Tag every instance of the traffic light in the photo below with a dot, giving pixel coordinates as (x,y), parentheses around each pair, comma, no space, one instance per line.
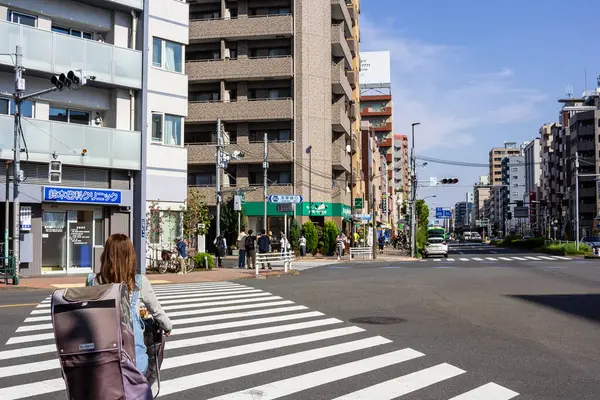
(71,80)
(449,181)
(55,171)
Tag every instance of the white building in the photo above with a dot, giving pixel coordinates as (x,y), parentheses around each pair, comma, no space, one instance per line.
(119,138)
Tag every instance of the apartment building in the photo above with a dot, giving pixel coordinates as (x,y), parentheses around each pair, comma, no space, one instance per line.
(463,212)
(532,152)
(285,68)
(119,138)
(401,164)
(513,190)
(480,195)
(547,134)
(495,160)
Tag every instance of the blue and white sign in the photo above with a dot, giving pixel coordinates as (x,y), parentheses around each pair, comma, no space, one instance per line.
(285,198)
(447,213)
(439,212)
(364,217)
(81,195)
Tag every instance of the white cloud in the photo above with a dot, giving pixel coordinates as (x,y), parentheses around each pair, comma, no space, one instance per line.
(435,84)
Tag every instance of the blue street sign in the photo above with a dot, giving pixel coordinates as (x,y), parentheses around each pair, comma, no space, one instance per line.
(439,212)
(447,213)
(285,198)
(60,194)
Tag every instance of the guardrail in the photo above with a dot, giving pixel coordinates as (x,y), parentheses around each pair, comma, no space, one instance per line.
(361,251)
(287,259)
(7,270)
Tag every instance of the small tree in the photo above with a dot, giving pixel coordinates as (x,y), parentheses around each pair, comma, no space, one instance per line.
(330,232)
(229,221)
(196,218)
(295,234)
(312,239)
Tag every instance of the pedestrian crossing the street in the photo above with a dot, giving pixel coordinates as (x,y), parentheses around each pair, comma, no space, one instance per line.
(232,341)
(496,258)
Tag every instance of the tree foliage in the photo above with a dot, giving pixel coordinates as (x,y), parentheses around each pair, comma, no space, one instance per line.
(295,234)
(312,238)
(229,221)
(422,213)
(195,214)
(330,232)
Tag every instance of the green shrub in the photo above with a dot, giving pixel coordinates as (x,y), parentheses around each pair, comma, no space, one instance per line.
(295,234)
(312,238)
(200,263)
(330,232)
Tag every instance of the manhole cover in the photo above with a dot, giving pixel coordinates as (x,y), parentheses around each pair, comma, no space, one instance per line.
(377,320)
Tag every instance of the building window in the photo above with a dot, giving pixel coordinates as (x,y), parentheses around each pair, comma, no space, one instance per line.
(7,107)
(23,19)
(165,227)
(166,129)
(167,55)
(70,116)
(71,32)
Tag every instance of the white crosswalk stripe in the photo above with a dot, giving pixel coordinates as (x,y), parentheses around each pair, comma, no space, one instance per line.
(505,258)
(246,332)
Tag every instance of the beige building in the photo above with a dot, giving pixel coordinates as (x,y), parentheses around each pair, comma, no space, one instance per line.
(480,195)
(495,160)
(288,69)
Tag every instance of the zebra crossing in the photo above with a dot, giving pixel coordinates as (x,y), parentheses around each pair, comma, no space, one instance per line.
(232,341)
(496,258)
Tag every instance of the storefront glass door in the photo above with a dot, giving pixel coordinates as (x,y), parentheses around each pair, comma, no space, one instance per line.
(54,239)
(81,241)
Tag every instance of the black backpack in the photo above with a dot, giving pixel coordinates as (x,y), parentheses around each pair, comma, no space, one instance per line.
(249,243)
(263,244)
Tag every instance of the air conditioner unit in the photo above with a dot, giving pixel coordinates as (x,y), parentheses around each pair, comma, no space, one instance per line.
(227,96)
(227,14)
(227,54)
(55,171)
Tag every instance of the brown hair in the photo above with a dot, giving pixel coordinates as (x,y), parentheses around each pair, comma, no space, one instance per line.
(118,261)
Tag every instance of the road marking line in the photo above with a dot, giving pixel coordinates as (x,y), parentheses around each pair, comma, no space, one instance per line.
(519,258)
(202,291)
(553,267)
(299,383)
(478,259)
(504,258)
(489,391)
(235,296)
(395,388)
(562,258)
(491,259)
(210,377)
(547,258)
(18,305)
(533,258)
(494,252)
(437,259)
(199,285)
(199,295)
(449,259)
(464,259)
(219,303)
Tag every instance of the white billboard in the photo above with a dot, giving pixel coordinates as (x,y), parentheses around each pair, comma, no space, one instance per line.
(375,69)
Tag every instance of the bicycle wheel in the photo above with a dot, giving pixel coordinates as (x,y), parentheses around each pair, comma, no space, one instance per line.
(189,264)
(162,266)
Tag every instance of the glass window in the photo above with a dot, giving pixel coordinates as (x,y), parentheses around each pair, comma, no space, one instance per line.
(79,117)
(26,109)
(173,56)
(170,227)
(59,29)
(157,128)
(58,114)
(23,19)
(173,130)
(157,52)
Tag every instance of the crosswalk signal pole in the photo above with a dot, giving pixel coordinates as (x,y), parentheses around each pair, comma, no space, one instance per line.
(265,196)
(218,176)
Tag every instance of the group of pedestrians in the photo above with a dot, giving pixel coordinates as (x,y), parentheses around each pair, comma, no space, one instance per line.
(248,244)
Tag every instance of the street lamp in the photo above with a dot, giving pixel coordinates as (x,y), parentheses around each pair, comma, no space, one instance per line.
(413,221)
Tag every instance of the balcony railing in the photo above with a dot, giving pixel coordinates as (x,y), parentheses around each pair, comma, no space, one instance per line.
(55,53)
(340,159)
(241,68)
(106,147)
(243,26)
(339,80)
(339,44)
(340,12)
(371,112)
(117,4)
(251,110)
(339,117)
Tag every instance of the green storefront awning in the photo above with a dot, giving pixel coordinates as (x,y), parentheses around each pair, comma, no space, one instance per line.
(319,209)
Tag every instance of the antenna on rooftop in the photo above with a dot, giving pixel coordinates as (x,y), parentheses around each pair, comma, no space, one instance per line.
(569,89)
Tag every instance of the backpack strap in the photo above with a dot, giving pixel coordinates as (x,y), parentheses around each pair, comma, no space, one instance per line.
(89,281)
(136,292)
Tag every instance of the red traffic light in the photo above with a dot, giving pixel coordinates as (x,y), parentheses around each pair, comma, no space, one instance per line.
(449,181)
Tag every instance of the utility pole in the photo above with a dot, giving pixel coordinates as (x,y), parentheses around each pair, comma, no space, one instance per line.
(219,161)
(6,218)
(352,191)
(577,201)
(373,217)
(19,89)
(413,219)
(265,196)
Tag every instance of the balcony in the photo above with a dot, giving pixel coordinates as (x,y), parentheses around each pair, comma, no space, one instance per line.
(339,82)
(340,12)
(55,53)
(373,112)
(340,195)
(352,78)
(106,147)
(241,111)
(353,45)
(387,142)
(340,159)
(123,5)
(353,13)
(240,69)
(384,127)
(339,118)
(339,44)
(279,152)
(243,27)
(587,145)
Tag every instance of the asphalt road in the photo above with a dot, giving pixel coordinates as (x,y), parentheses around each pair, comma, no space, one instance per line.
(464,330)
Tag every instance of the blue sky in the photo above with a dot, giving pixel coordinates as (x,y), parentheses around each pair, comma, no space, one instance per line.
(477,73)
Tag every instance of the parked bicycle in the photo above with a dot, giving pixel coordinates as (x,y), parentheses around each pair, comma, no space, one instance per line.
(164,261)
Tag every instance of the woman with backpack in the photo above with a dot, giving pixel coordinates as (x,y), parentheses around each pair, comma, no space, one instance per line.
(220,244)
(118,264)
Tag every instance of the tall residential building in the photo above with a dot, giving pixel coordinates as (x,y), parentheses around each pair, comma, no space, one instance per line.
(285,68)
(533,171)
(480,195)
(401,172)
(548,133)
(463,212)
(495,160)
(119,138)
(377,110)
(513,188)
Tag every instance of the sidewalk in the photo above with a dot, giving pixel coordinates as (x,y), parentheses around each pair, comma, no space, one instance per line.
(228,273)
